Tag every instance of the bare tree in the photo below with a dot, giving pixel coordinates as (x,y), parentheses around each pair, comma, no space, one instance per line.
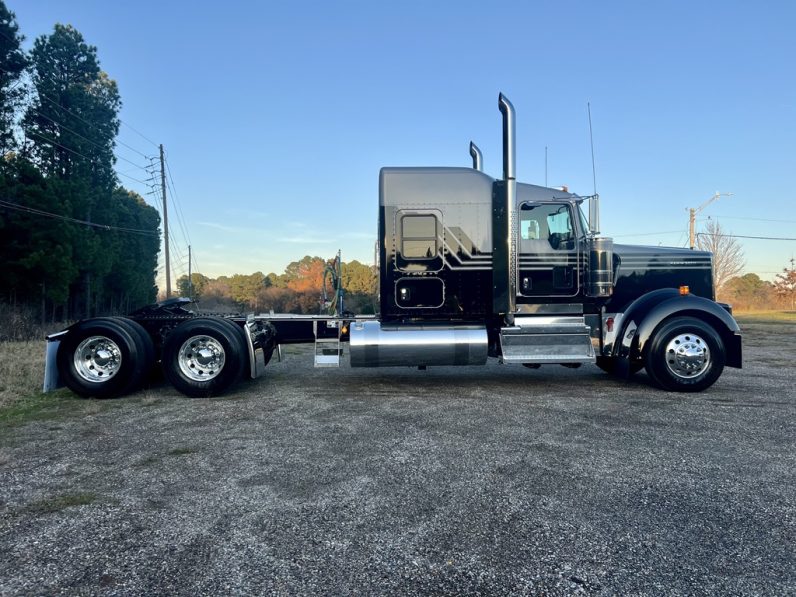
(728,259)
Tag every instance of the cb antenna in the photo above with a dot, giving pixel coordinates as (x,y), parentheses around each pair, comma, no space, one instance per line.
(594,203)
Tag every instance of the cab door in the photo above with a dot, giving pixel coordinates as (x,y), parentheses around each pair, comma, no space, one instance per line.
(548,252)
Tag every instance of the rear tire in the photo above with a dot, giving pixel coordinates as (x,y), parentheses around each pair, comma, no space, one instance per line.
(685,355)
(100,358)
(146,347)
(244,345)
(203,357)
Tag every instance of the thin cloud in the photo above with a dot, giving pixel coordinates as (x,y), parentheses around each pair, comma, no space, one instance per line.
(306,240)
(221,227)
(247,213)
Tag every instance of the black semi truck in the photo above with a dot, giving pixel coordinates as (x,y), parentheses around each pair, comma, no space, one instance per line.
(470,268)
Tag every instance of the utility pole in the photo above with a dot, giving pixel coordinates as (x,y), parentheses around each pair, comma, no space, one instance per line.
(693,211)
(165,221)
(691,224)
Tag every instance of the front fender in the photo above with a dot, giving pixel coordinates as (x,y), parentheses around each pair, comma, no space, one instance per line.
(648,312)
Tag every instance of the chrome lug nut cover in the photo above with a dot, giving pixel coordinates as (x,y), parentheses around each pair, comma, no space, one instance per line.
(97,359)
(687,355)
(201,358)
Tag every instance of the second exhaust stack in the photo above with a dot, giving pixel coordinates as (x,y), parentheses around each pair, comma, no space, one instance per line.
(478,158)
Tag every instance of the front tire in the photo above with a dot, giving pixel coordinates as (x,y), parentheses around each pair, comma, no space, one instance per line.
(685,355)
(203,357)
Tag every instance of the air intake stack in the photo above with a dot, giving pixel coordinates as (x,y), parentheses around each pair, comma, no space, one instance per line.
(504,224)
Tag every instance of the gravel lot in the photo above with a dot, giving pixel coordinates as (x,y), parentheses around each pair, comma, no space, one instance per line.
(468,481)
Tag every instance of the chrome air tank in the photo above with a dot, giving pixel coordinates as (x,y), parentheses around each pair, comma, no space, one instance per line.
(601,266)
(374,345)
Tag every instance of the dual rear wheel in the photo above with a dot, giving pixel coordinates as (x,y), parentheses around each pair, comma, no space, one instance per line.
(205,356)
(107,357)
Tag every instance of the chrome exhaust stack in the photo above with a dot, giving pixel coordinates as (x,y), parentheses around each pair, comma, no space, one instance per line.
(510,181)
(478,158)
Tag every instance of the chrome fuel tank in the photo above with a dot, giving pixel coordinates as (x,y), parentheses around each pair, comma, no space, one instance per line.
(373,345)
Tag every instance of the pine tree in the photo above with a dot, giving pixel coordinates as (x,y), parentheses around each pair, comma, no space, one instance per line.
(12,65)
(71,126)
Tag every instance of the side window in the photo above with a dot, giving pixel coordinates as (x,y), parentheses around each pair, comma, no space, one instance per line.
(419,237)
(548,223)
(533,222)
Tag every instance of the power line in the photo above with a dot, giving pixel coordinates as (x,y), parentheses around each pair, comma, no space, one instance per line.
(177,258)
(120,142)
(140,134)
(85,157)
(756,219)
(177,251)
(648,233)
(38,212)
(87,123)
(753,237)
(176,200)
(178,210)
(180,216)
(62,125)
(58,105)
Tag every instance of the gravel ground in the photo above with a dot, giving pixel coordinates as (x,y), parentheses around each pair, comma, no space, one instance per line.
(469,481)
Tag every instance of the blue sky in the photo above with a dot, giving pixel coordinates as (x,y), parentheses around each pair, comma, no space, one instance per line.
(276,116)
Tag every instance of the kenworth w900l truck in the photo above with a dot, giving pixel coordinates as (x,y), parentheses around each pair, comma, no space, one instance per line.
(470,268)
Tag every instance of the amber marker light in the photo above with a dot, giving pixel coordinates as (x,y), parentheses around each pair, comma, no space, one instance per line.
(684,290)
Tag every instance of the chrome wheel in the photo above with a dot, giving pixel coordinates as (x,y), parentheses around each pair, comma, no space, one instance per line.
(687,355)
(201,358)
(97,359)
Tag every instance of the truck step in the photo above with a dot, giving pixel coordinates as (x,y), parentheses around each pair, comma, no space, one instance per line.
(327,346)
(327,352)
(547,340)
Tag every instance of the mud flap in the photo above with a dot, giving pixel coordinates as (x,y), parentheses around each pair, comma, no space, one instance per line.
(52,380)
(622,368)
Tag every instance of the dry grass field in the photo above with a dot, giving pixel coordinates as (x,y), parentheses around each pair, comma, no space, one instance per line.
(21,370)
(765,317)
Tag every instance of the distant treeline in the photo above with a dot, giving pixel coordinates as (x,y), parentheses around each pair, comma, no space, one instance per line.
(297,290)
(73,241)
(750,293)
